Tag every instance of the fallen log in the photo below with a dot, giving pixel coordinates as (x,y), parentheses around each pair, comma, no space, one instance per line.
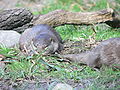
(20,19)
(61,17)
(14,18)
(115,23)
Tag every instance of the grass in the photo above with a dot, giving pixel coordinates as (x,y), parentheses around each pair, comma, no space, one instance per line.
(49,67)
(102,32)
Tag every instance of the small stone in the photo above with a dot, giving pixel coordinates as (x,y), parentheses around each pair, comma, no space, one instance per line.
(61,86)
(9,38)
(1,57)
(2,65)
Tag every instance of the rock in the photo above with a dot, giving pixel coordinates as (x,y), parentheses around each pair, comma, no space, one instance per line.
(40,39)
(1,57)
(2,65)
(61,86)
(9,38)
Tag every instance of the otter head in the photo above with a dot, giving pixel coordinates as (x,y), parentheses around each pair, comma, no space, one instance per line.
(45,44)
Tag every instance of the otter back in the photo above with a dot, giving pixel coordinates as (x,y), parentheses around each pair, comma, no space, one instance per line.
(39,35)
(106,53)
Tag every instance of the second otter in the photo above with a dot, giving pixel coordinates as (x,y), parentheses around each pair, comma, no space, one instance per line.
(106,53)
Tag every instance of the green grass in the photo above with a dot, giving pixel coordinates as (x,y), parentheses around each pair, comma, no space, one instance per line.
(74,32)
(76,6)
(50,67)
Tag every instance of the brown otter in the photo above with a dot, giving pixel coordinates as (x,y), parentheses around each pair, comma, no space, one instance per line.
(40,38)
(107,53)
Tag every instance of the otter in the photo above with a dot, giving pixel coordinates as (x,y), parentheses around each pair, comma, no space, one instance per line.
(105,53)
(40,39)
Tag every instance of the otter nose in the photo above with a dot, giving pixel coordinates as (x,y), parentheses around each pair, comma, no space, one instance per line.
(42,48)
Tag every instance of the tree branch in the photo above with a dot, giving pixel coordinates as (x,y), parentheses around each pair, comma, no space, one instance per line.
(61,17)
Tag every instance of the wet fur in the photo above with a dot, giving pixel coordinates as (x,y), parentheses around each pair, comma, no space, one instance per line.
(37,38)
(106,53)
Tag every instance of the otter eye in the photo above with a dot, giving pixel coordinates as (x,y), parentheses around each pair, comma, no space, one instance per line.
(51,39)
(23,50)
(45,45)
(36,44)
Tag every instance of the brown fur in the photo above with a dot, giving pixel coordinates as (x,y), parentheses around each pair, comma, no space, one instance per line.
(40,39)
(107,53)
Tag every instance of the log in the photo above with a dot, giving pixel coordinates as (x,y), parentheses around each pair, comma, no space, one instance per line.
(21,19)
(14,18)
(115,23)
(61,17)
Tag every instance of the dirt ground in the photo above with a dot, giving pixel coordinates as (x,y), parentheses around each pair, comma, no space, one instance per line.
(41,85)
(33,6)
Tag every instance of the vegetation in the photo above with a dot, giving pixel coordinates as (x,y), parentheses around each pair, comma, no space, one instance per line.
(39,67)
